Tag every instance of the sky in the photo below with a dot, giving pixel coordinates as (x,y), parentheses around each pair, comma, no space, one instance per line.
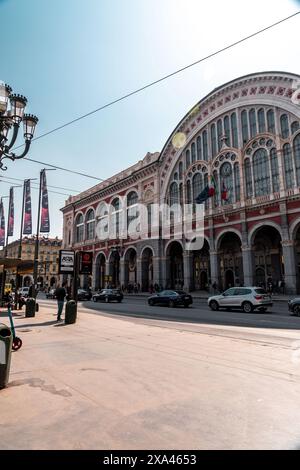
(69,57)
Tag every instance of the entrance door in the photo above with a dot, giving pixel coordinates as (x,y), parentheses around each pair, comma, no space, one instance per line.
(229,279)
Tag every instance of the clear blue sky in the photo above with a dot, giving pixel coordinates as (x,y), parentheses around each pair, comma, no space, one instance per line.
(71,56)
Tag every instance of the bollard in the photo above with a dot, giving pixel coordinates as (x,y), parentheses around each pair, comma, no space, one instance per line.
(70,312)
(30,308)
(5,354)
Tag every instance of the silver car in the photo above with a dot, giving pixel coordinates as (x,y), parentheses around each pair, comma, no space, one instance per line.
(245,298)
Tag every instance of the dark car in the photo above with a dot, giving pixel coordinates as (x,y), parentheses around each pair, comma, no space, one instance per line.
(83,294)
(108,295)
(172,298)
(294,306)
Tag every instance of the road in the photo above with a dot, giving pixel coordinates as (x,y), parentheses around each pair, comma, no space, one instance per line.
(277,317)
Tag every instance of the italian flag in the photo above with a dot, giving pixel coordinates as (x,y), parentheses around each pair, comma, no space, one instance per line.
(207,192)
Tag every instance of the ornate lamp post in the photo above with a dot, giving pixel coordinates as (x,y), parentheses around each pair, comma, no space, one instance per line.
(12,109)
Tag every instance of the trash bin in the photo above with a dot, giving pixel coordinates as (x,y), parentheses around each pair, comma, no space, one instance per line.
(5,354)
(30,308)
(71,312)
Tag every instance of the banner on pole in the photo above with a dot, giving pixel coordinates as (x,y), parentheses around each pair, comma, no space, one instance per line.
(45,221)
(27,226)
(2,224)
(11,213)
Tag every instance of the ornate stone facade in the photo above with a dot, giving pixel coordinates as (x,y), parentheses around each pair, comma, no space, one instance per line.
(245,135)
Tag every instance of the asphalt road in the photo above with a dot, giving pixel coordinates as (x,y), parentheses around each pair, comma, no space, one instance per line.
(277,317)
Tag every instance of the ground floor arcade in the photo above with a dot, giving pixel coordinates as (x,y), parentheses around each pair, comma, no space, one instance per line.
(263,257)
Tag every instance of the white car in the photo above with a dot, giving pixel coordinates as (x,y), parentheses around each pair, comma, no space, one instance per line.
(24,291)
(245,298)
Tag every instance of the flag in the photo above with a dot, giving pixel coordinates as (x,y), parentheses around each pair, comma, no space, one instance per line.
(11,213)
(27,226)
(224,193)
(45,222)
(207,192)
(2,224)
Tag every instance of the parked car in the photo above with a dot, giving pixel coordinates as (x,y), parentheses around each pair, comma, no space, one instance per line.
(245,298)
(83,294)
(24,291)
(108,295)
(50,294)
(172,298)
(294,306)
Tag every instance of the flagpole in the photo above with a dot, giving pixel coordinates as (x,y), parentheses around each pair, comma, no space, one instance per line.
(37,243)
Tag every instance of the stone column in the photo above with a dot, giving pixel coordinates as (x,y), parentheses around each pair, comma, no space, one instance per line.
(188,270)
(248,267)
(94,276)
(122,272)
(139,271)
(290,278)
(155,264)
(214,267)
(163,271)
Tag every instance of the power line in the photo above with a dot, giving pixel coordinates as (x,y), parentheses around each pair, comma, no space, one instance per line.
(139,90)
(49,186)
(34,187)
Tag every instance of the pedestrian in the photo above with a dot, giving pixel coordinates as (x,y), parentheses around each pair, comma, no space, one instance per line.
(60,295)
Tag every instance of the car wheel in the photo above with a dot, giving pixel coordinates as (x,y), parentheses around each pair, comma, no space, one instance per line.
(247,307)
(296,310)
(171,304)
(107,300)
(214,305)
(151,303)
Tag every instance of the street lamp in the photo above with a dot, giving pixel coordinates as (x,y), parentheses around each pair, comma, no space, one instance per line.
(12,113)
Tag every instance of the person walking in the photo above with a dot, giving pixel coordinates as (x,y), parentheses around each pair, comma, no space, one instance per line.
(60,295)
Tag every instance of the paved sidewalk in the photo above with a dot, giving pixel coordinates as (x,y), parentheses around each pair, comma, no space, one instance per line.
(108,383)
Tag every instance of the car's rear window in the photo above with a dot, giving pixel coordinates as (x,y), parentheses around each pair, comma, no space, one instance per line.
(260,291)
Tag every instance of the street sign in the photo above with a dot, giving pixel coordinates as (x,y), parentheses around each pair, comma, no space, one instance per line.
(86,262)
(66,262)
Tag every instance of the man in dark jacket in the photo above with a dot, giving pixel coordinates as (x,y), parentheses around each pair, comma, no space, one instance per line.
(60,295)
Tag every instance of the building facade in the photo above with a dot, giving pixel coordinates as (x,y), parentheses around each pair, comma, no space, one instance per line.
(244,136)
(48,260)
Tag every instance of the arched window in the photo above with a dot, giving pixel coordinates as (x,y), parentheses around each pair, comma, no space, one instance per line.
(237,182)
(284,126)
(288,166)
(188,192)
(205,185)
(102,226)
(296,147)
(199,149)
(226,182)
(79,228)
(180,170)
(193,148)
(252,121)
(295,127)
(275,171)
(181,194)
(227,130)
(132,207)
(197,185)
(187,158)
(175,176)
(205,148)
(174,194)
(213,140)
(90,225)
(234,130)
(217,189)
(115,218)
(271,121)
(220,133)
(248,179)
(245,132)
(261,121)
(261,173)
